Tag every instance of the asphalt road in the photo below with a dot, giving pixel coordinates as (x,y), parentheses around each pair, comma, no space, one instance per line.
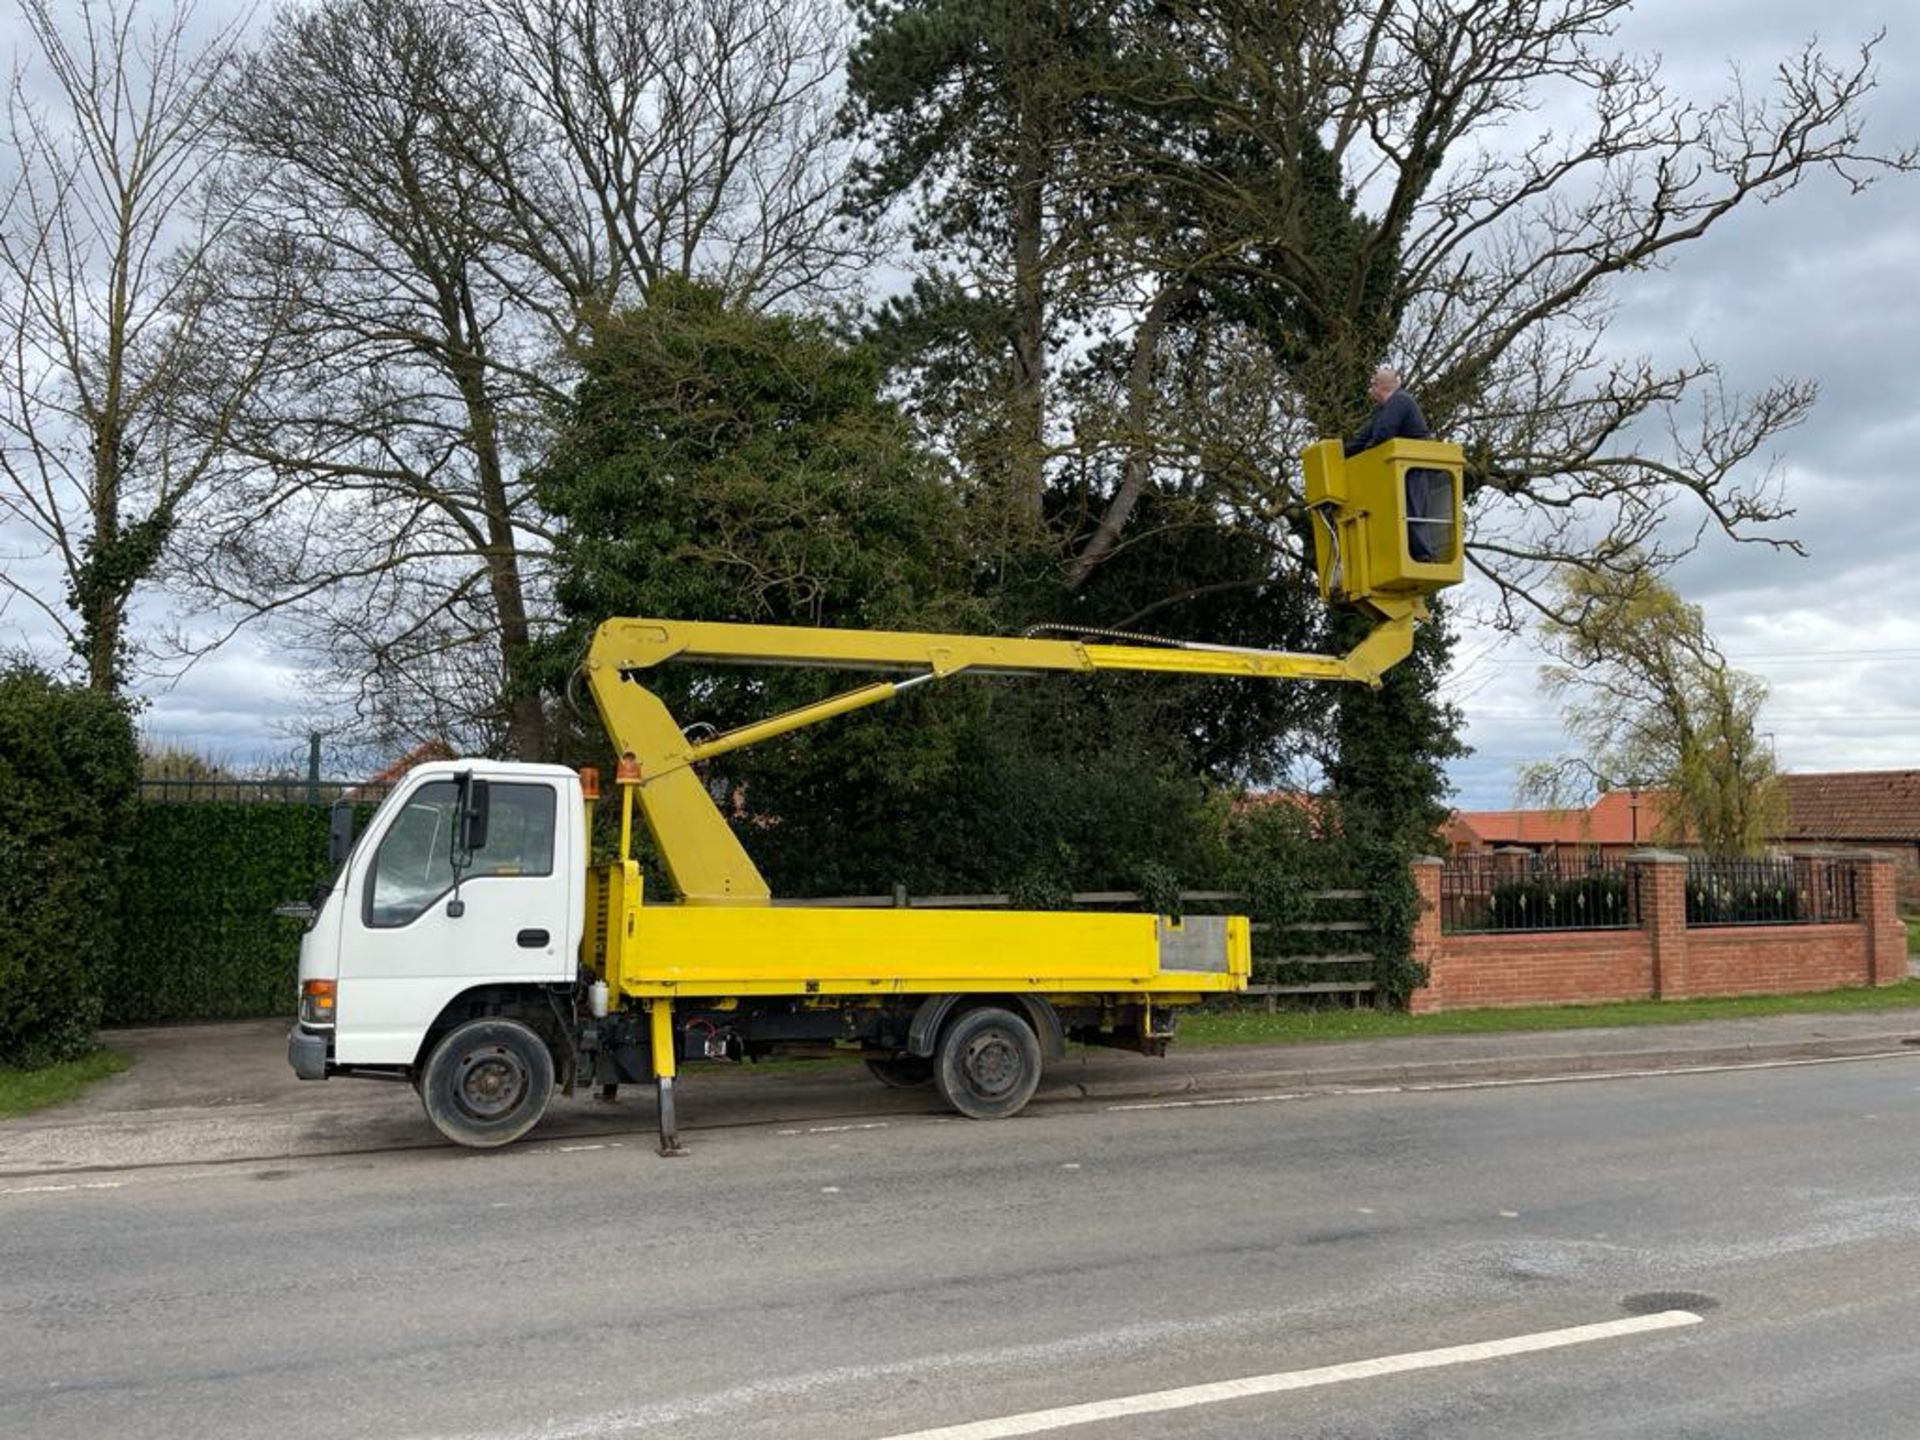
(800,1280)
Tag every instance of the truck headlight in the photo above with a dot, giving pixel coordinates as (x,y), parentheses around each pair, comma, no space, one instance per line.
(316,1002)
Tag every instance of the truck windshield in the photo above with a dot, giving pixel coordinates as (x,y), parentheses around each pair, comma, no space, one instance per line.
(414,866)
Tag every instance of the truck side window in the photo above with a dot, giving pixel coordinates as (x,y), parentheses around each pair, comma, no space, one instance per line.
(414,865)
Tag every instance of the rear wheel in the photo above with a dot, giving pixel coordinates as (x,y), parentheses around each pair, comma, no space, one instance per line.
(901,1072)
(487,1082)
(988,1063)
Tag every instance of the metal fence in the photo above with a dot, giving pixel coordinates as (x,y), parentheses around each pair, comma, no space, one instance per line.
(1490,894)
(1772,892)
(1503,893)
(287,790)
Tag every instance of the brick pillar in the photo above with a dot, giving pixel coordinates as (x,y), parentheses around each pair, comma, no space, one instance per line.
(1426,935)
(1514,861)
(1876,895)
(1660,878)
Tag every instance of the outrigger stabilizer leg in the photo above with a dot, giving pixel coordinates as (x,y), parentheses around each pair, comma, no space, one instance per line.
(663,1073)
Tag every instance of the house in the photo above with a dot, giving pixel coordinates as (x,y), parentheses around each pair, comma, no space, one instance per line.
(1857,810)
(1853,810)
(1618,822)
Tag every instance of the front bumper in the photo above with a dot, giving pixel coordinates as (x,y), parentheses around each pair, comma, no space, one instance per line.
(307,1052)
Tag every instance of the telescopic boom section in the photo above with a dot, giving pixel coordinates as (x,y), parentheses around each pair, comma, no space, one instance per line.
(703,857)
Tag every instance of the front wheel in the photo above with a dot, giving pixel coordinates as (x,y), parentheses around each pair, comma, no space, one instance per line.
(988,1064)
(487,1082)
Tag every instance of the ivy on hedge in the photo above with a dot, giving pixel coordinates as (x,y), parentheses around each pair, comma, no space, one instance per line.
(1285,859)
(68,766)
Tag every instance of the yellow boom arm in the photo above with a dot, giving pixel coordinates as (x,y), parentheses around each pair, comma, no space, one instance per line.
(704,858)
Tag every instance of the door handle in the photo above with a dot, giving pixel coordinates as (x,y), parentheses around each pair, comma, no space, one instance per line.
(532,939)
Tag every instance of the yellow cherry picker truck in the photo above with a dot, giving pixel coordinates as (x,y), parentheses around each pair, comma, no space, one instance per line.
(467,944)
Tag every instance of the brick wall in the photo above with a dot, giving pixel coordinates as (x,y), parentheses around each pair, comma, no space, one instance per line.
(1775,959)
(1663,958)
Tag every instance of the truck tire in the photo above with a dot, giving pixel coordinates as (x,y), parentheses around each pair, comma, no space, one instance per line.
(901,1072)
(487,1082)
(987,1064)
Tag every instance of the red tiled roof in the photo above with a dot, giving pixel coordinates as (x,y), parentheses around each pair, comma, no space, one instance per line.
(1300,800)
(1845,807)
(1853,805)
(1620,817)
(419,755)
(1309,806)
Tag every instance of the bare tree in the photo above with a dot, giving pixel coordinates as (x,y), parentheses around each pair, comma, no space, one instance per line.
(1463,189)
(696,139)
(455,204)
(106,307)
(1380,187)
(380,514)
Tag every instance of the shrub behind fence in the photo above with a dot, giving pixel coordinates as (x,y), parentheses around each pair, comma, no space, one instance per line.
(1483,893)
(1770,892)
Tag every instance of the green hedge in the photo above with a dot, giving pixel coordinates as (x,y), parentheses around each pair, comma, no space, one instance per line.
(68,766)
(202,942)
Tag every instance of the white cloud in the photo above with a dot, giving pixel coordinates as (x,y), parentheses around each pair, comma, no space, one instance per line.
(1817,284)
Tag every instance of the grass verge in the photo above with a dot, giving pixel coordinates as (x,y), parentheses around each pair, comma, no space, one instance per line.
(1247,1025)
(24,1090)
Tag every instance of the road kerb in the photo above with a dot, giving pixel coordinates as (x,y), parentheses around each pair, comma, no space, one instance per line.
(1324,1078)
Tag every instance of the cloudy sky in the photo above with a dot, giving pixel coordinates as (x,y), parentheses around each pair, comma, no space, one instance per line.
(1820,284)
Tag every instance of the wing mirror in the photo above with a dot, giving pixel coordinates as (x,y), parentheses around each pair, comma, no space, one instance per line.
(473,803)
(339,833)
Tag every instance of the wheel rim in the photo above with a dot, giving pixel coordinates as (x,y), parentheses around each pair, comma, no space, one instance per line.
(992,1066)
(490,1083)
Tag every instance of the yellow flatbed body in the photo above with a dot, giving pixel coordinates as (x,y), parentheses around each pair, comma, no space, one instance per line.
(647,951)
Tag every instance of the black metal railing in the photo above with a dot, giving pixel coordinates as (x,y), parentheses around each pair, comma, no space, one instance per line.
(291,790)
(1499,893)
(1809,891)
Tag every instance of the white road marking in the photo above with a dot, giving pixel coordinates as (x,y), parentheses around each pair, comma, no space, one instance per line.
(1223,1100)
(1155,1402)
(62,1189)
(838,1129)
(167,1176)
(1566,1078)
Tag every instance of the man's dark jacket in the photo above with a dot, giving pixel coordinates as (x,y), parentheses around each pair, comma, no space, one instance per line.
(1397,417)
(1429,497)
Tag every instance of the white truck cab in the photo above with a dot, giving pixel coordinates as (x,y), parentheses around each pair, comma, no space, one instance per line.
(414,922)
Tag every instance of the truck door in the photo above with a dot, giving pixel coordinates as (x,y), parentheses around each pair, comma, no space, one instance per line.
(403,956)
